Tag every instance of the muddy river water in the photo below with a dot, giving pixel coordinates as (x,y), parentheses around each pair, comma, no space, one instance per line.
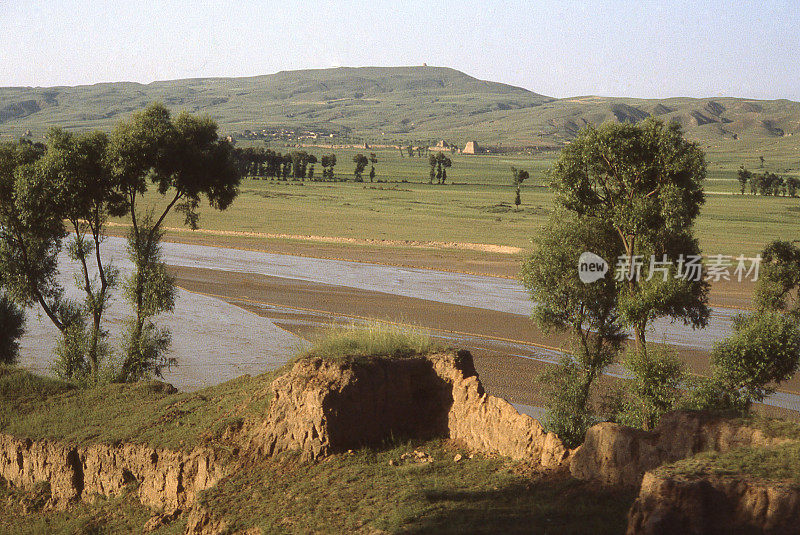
(214,340)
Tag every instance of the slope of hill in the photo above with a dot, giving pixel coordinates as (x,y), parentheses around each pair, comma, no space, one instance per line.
(389,104)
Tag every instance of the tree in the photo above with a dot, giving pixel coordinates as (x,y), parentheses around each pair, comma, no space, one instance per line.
(743,175)
(792,186)
(588,312)
(778,287)
(31,231)
(183,159)
(12,322)
(373,160)
(763,352)
(328,162)
(646,183)
(88,194)
(518,176)
(361,162)
(439,164)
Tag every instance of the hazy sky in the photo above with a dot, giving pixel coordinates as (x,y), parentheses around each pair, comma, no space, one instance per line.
(558,48)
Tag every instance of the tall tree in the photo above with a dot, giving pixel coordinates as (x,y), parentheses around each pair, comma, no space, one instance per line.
(518,176)
(778,287)
(361,162)
(743,176)
(183,159)
(31,232)
(439,165)
(373,160)
(88,194)
(588,312)
(646,182)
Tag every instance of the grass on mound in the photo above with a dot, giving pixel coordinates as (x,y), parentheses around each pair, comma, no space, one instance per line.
(373,339)
(144,412)
(775,464)
(360,492)
(772,427)
(24,513)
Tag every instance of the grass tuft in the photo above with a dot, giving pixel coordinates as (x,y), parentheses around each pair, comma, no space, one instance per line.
(374,339)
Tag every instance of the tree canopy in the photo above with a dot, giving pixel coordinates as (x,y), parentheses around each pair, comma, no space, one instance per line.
(646,183)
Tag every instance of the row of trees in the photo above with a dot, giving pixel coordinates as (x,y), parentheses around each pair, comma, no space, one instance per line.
(260,162)
(60,197)
(616,197)
(767,183)
(299,165)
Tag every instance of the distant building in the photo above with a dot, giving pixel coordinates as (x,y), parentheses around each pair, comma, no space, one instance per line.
(471,148)
(441,146)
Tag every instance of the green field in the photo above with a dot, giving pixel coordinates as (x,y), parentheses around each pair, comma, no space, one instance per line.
(477,206)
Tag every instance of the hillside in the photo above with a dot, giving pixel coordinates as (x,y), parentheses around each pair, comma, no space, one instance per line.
(391,104)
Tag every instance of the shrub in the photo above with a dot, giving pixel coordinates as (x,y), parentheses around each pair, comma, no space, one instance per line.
(12,321)
(71,350)
(763,351)
(655,388)
(566,389)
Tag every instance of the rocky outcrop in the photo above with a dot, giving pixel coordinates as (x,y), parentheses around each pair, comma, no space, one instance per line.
(668,505)
(167,480)
(323,406)
(617,455)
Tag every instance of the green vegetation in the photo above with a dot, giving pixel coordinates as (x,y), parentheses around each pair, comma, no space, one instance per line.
(475,208)
(779,285)
(615,198)
(83,180)
(585,311)
(654,390)
(773,464)
(374,339)
(12,321)
(360,492)
(150,413)
(518,176)
(763,351)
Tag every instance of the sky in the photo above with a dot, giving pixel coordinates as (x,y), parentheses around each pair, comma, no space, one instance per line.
(557,48)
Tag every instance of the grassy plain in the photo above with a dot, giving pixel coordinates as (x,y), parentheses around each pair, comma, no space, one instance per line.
(477,204)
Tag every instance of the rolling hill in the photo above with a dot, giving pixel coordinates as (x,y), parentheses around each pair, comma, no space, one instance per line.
(390,104)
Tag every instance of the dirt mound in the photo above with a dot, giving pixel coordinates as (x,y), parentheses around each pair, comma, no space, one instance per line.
(669,505)
(322,407)
(617,455)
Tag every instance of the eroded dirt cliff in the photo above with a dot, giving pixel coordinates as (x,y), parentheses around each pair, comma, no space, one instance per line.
(711,505)
(613,454)
(322,407)
(167,480)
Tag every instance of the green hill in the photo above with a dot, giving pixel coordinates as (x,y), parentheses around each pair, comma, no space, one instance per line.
(391,104)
